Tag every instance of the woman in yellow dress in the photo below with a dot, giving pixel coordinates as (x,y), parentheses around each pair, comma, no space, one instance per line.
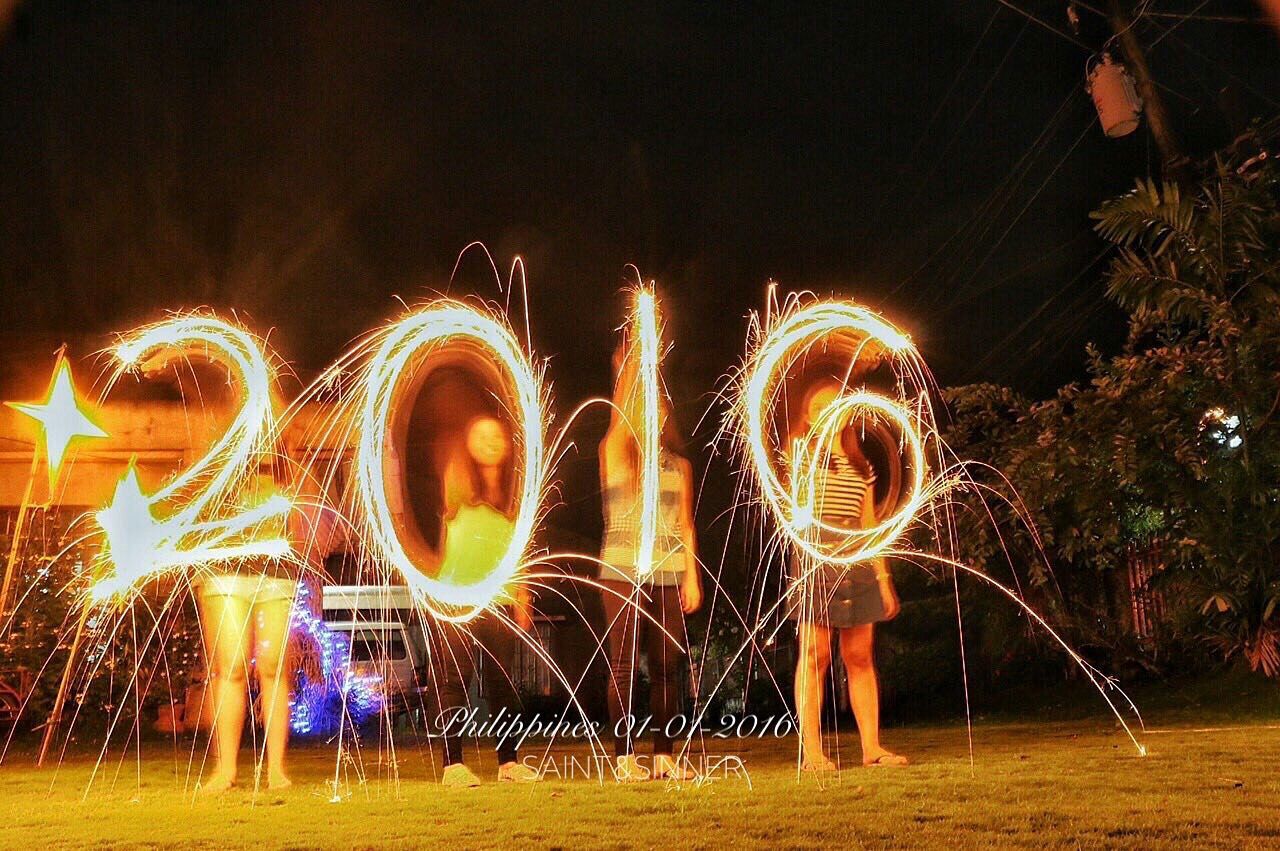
(477,529)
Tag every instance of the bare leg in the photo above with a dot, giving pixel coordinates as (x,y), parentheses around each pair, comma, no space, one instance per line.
(857,650)
(812,664)
(624,625)
(271,637)
(225,624)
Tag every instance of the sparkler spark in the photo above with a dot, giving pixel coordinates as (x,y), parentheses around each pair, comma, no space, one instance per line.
(380,392)
(209,524)
(61,418)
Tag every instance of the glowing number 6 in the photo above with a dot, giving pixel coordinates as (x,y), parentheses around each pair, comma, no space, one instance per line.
(389,371)
(792,504)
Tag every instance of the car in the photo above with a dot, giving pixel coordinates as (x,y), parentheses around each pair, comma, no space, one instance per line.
(366,604)
(385,650)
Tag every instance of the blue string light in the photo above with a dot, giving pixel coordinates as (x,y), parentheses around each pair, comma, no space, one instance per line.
(321,703)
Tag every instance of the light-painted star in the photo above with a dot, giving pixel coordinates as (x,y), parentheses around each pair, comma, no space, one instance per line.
(132,534)
(60,416)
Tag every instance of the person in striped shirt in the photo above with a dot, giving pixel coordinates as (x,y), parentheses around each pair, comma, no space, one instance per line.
(645,608)
(847,600)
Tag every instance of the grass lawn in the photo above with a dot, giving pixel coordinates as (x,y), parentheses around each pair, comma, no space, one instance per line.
(1042,784)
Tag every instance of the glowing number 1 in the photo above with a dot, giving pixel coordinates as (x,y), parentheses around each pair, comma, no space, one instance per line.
(645,324)
(209,524)
(403,345)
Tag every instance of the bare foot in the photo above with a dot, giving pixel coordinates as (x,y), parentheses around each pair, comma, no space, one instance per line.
(884,759)
(216,784)
(819,763)
(278,782)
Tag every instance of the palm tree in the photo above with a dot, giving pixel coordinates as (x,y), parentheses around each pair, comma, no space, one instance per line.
(1198,269)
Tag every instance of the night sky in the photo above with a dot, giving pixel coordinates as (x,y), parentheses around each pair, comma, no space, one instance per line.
(304,163)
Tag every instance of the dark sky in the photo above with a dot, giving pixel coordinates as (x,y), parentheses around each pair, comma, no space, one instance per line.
(303,163)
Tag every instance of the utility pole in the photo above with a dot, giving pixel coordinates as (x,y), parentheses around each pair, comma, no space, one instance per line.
(1272,8)
(1152,103)
(8,11)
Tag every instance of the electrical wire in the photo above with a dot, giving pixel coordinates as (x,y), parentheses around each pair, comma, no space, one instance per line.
(909,160)
(940,157)
(1040,190)
(1005,188)
(1171,29)
(1001,347)
(1046,25)
(1185,45)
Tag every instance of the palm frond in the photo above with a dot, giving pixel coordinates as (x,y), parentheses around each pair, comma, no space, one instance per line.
(1150,217)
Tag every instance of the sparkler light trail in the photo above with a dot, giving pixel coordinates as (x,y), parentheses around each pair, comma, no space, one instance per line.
(645,325)
(793,505)
(61,418)
(144,535)
(382,385)
(779,345)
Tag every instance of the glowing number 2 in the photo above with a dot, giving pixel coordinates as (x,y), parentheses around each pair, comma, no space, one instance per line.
(208,525)
(401,346)
(793,504)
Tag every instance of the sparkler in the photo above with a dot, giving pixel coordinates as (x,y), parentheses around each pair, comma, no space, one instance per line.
(199,519)
(62,422)
(780,344)
(209,524)
(399,348)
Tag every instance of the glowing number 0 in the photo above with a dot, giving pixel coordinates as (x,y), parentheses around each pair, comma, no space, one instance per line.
(209,525)
(793,505)
(402,345)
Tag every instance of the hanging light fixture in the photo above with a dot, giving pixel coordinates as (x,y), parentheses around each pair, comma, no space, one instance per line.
(1114,96)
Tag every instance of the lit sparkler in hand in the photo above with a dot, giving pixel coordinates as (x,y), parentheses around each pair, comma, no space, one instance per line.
(793,505)
(198,518)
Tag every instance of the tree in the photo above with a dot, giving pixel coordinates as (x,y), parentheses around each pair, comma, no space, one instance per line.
(1172,445)
(1200,274)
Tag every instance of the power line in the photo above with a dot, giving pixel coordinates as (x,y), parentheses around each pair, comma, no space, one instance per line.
(999,347)
(1014,182)
(1046,25)
(1220,67)
(909,160)
(940,157)
(1013,175)
(1171,29)
(1048,178)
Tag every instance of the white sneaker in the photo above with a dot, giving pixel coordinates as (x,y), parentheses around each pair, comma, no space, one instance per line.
(627,769)
(664,766)
(459,777)
(517,772)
